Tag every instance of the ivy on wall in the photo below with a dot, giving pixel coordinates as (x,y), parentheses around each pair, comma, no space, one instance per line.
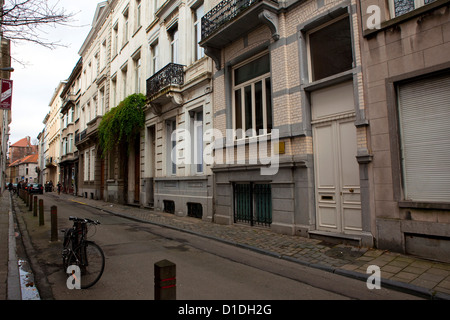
(121,124)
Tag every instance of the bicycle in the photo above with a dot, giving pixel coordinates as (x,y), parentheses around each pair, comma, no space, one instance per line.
(85,254)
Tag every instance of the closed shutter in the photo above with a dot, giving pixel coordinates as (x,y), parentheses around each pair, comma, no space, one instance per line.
(424,116)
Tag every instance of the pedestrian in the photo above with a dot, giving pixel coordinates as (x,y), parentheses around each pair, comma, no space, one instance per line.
(59,187)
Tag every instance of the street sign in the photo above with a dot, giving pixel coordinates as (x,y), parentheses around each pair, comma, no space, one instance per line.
(6,94)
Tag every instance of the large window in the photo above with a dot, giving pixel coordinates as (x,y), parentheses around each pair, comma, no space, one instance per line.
(330,49)
(154,48)
(197,139)
(252,102)
(174,37)
(171,147)
(198,14)
(424,110)
(125,26)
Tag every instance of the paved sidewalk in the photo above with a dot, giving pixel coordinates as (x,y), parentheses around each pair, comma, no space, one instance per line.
(427,278)
(9,269)
(4,252)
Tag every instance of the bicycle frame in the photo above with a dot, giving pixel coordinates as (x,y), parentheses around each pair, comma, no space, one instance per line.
(75,249)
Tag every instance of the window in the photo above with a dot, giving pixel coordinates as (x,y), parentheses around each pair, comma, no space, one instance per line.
(171,146)
(137,72)
(92,165)
(253,203)
(103,56)
(174,45)
(70,143)
(114,91)
(86,165)
(125,26)
(198,14)
(196,133)
(124,81)
(252,102)
(101,106)
(116,39)
(400,7)
(71,113)
(155,57)
(138,15)
(330,49)
(423,107)
(88,113)
(95,107)
(64,146)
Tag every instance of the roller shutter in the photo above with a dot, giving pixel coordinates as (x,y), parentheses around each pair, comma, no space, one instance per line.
(424,116)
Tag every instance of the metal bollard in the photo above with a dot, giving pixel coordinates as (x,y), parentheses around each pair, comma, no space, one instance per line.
(35,206)
(165,280)
(54,223)
(30,202)
(41,212)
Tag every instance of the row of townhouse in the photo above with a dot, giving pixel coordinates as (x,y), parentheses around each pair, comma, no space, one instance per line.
(316,118)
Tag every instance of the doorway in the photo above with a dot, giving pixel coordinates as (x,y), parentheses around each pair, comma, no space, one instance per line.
(336,170)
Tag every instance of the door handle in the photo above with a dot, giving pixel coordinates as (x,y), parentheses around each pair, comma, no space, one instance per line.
(351,190)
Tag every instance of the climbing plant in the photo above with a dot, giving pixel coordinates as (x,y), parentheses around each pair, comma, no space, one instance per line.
(121,124)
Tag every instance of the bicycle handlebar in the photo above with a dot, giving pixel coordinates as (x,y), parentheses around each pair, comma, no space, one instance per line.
(84,220)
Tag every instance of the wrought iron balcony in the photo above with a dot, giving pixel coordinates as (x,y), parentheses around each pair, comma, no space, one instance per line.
(225,11)
(171,74)
(231,19)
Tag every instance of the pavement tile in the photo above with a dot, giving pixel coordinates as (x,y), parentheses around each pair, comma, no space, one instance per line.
(414,270)
(373,253)
(405,276)
(432,277)
(437,271)
(399,263)
(390,269)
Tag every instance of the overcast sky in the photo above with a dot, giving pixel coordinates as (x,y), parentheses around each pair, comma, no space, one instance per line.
(35,82)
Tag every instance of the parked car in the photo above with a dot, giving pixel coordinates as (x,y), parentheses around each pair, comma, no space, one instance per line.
(35,188)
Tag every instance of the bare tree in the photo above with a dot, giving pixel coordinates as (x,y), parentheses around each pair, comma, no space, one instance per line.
(22,20)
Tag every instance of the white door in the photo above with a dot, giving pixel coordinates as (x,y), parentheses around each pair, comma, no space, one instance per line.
(337,189)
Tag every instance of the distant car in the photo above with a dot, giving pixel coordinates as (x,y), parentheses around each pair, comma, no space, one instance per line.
(35,188)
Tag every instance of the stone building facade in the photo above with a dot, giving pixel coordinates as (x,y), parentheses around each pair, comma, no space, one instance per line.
(94,103)
(179,96)
(70,111)
(293,69)
(406,67)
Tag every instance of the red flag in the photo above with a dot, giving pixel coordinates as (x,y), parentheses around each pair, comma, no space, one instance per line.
(6,94)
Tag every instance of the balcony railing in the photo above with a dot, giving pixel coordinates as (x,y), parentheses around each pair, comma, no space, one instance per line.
(171,74)
(225,11)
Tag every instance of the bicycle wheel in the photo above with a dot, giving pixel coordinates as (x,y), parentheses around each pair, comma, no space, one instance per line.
(93,264)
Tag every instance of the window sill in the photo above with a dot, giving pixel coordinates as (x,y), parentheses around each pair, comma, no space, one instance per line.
(424,205)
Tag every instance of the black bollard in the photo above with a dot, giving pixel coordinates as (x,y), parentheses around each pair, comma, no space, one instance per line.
(54,223)
(41,212)
(30,202)
(165,280)
(35,206)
